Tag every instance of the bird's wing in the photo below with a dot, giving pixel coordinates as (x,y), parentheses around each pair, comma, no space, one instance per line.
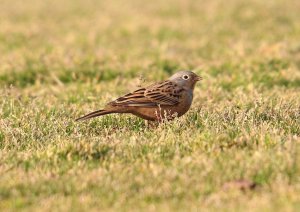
(165,93)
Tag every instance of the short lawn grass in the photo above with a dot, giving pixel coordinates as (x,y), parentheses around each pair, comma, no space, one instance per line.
(236,149)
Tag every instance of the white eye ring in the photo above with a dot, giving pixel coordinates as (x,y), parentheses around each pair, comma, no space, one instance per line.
(185,77)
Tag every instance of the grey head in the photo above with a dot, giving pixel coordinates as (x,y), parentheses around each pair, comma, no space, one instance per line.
(186,79)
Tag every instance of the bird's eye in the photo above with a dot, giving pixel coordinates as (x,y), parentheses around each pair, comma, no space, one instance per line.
(185,77)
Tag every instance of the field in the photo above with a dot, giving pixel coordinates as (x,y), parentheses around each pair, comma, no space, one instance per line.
(236,149)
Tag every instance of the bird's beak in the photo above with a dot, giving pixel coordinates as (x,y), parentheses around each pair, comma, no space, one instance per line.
(198,78)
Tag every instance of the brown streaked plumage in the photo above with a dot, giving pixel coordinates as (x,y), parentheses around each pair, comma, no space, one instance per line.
(164,100)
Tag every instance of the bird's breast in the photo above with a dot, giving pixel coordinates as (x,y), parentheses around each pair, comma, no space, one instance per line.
(185,103)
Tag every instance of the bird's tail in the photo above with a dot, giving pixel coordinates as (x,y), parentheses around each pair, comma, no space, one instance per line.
(94,114)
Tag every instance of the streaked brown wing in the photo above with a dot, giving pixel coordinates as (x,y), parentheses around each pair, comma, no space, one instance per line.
(164,93)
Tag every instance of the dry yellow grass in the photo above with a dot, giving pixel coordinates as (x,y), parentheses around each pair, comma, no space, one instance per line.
(60,60)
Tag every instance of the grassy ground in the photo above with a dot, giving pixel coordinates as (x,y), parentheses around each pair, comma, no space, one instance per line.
(61,59)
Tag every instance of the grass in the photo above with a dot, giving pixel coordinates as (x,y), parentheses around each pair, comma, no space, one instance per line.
(60,60)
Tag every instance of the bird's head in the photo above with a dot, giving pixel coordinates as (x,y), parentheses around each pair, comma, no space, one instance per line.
(187,79)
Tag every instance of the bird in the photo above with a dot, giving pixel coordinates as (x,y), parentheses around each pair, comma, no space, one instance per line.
(158,102)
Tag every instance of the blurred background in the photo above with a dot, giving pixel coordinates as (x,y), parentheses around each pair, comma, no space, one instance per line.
(49,42)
